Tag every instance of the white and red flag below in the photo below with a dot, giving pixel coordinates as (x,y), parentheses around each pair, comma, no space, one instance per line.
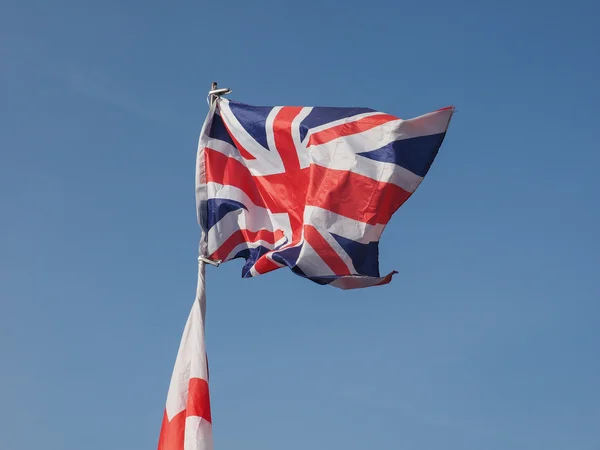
(308,188)
(187,422)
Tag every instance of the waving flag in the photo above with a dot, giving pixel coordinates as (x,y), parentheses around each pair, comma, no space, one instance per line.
(310,188)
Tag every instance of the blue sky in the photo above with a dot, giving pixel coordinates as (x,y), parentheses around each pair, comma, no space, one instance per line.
(486,339)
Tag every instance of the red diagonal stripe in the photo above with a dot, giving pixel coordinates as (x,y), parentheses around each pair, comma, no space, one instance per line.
(229,171)
(349,128)
(325,251)
(265,265)
(241,236)
(355,196)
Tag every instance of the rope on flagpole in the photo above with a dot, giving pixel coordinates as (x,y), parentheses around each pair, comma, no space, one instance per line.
(209,261)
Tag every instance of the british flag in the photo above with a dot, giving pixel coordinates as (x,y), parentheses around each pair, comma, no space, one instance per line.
(309,188)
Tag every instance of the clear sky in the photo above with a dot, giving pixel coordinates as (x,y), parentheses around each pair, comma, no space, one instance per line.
(488,338)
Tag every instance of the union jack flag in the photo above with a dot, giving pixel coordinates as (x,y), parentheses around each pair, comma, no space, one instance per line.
(310,188)
(307,188)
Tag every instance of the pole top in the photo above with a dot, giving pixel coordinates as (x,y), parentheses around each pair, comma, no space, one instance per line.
(216,92)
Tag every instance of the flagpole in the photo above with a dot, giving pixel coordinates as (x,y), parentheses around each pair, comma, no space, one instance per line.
(187,419)
(213,95)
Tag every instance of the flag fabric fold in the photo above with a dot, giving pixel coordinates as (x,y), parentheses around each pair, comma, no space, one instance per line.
(309,188)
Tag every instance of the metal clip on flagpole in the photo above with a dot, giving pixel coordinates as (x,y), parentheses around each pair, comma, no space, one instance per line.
(209,261)
(215,93)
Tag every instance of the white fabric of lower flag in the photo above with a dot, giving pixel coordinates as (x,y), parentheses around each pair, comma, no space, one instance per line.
(187,422)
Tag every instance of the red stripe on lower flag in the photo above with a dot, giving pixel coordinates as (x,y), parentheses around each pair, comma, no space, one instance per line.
(172,432)
(198,403)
